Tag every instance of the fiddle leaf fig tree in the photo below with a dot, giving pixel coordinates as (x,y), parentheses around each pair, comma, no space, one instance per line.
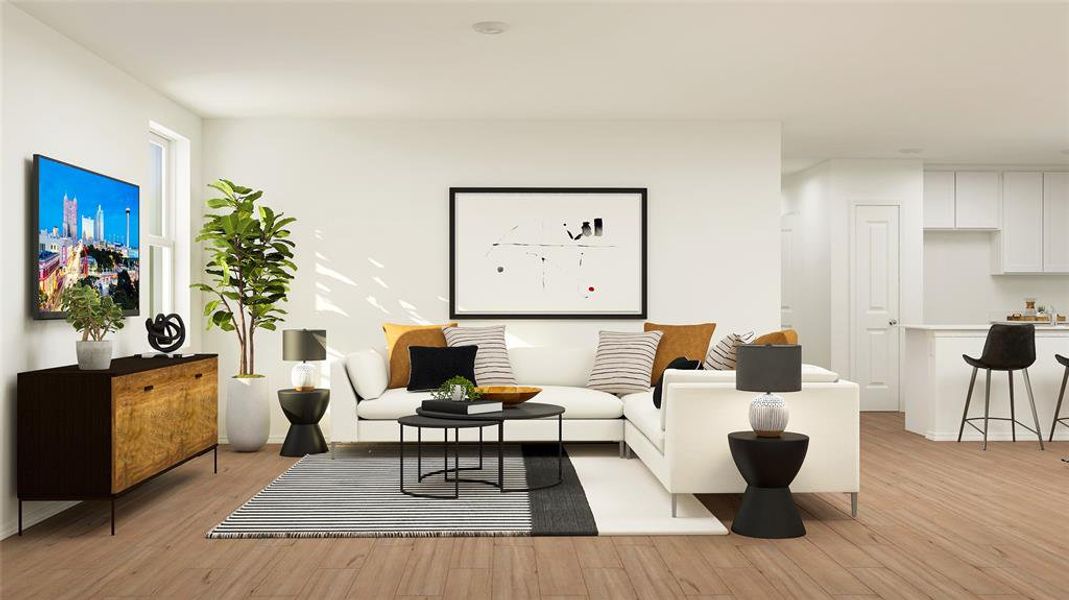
(249,266)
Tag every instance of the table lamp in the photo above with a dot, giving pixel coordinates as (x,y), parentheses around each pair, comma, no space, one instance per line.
(304,345)
(769,369)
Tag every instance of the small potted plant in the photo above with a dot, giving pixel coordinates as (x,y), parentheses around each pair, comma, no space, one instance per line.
(95,316)
(456,388)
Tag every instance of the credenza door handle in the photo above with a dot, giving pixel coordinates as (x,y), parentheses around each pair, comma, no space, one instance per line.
(198,376)
(149,388)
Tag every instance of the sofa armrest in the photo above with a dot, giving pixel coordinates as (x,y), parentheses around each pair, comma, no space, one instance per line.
(342,408)
(699,416)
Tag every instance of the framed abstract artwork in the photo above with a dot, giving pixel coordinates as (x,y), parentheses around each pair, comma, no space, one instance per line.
(547,253)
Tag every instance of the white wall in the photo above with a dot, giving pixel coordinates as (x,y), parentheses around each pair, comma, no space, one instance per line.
(875,182)
(822,200)
(807,280)
(959,287)
(63,101)
(376,193)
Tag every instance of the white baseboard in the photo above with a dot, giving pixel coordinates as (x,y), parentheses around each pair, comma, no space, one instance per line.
(32,514)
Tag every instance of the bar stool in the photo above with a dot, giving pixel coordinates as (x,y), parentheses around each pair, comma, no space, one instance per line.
(1064,360)
(1007,348)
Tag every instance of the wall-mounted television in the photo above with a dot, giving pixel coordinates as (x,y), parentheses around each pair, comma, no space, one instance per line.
(86,230)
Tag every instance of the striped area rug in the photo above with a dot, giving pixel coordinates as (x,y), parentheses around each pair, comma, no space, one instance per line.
(356,494)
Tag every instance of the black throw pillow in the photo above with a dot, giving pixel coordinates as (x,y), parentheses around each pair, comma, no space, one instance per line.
(431,367)
(681,364)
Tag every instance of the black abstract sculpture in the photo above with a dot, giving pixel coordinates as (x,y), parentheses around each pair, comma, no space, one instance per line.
(166,333)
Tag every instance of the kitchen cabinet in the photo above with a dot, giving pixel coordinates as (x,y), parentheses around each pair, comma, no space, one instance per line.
(1056,222)
(967,200)
(1020,242)
(939,200)
(976,199)
(1035,220)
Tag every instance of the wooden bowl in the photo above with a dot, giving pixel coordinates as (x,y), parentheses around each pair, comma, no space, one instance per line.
(508,395)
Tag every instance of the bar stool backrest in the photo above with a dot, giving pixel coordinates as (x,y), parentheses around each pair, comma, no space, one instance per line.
(1010,347)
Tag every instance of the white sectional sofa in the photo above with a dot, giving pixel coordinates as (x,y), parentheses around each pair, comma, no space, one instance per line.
(684,443)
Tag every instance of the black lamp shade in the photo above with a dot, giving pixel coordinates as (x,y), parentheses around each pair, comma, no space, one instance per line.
(304,344)
(769,368)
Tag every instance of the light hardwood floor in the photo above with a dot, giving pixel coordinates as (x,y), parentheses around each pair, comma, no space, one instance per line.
(937,520)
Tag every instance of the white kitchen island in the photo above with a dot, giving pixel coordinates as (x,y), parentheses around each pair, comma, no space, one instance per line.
(935,380)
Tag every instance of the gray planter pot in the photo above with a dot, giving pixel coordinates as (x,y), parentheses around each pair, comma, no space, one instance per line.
(93,356)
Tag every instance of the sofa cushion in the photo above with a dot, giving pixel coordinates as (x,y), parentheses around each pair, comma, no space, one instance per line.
(640,411)
(367,373)
(578,403)
(724,355)
(492,359)
(432,367)
(624,361)
(689,341)
(681,364)
(551,365)
(399,338)
(783,337)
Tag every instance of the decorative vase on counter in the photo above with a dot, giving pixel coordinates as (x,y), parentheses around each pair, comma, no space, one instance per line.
(93,355)
(248,417)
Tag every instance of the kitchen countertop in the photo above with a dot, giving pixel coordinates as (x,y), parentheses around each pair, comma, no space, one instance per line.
(982,327)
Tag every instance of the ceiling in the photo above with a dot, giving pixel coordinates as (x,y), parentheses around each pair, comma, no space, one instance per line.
(961,82)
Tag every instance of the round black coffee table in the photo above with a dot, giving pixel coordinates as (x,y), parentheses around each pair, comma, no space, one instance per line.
(304,409)
(445,424)
(520,412)
(768,465)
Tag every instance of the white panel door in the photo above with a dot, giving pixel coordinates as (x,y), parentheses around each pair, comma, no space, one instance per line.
(939,200)
(976,199)
(875,270)
(790,269)
(1021,238)
(1056,222)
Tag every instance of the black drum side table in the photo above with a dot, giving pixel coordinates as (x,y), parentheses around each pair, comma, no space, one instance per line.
(768,465)
(304,409)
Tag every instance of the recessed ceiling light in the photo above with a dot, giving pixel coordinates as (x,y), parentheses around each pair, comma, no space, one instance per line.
(491,27)
(910,150)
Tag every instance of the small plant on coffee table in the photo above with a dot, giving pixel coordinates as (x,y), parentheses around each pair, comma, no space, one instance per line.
(445,391)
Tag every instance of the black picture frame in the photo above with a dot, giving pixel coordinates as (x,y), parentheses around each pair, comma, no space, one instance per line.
(455,314)
(33,239)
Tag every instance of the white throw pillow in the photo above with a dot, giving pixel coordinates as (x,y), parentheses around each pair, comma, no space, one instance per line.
(367,372)
(624,361)
(492,366)
(723,355)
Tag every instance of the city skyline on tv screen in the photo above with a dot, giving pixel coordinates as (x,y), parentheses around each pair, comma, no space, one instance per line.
(87,234)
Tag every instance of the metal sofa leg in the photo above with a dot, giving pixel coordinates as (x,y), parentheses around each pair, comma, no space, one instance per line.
(675,504)
(622,446)
(853,504)
(333,445)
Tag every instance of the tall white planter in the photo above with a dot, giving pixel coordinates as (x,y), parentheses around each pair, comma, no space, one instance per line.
(248,417)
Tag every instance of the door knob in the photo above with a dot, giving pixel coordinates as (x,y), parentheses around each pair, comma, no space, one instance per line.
(893,322)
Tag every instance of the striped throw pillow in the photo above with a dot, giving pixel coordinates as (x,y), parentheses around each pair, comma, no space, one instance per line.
(723,355)
(492,366)
(624,361)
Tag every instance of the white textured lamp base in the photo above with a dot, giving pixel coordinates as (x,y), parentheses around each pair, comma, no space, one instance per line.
(304,376)
(768,415)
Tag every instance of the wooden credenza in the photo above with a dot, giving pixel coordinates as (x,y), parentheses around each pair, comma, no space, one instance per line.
(86,435)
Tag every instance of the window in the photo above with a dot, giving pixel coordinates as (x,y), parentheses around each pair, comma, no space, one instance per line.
(159,221)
